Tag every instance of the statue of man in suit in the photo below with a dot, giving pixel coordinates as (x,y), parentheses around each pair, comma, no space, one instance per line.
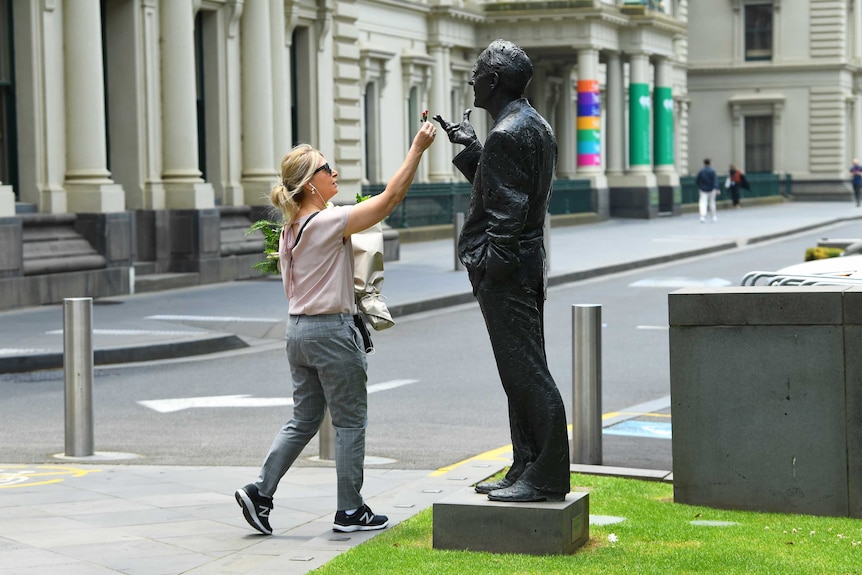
(501,246)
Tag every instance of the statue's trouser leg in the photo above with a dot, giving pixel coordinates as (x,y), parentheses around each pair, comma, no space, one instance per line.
(513,315)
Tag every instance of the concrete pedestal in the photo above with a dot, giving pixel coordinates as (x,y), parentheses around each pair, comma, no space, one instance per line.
(766,390)
(468,521)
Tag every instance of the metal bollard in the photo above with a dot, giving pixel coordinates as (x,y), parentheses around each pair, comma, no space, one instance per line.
(78,374)
(327,438)
(459,225)
(587,384)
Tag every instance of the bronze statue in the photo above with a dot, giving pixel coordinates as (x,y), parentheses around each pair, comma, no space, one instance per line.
(501,246)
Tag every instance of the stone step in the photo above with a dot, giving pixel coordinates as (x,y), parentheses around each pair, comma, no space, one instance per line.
(160,282)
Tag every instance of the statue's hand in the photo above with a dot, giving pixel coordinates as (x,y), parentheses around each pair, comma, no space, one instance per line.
(462,133)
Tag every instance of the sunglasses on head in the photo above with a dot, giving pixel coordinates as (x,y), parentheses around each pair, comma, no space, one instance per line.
(325,167)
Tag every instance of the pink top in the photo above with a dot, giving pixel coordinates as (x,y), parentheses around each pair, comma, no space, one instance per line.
(317,273)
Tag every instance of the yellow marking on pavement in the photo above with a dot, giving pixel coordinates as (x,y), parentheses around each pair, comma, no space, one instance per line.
(24,478)
(633,414)
(498,454)
(493,455)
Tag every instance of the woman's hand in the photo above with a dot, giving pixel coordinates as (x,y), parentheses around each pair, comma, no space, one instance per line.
(424,137)
(365,214)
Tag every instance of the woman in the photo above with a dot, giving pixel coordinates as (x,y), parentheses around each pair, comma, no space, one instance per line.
(734,179)
(324,346)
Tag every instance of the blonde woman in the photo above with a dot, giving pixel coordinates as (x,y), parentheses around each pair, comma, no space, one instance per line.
(324,346)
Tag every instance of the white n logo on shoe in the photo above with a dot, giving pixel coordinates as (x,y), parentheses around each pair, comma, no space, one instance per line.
(366,518)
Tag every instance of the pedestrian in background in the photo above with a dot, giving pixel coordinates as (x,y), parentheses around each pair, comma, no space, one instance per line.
(324,346)
(856,170)
(707,183)
(735,181)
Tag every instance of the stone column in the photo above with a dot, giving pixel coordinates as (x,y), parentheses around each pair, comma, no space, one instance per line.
(232,73)
(566,140)
(539,90)
(184,187)
(258,144)
(589,123)
(636,194)
(737,150)
(857,124)
(663,136)
(154,190)
(778,138)
(639,115)
(441,152)
(88,183)
(280,82)
(616,116)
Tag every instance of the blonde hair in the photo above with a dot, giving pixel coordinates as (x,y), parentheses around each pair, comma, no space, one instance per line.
(297,168)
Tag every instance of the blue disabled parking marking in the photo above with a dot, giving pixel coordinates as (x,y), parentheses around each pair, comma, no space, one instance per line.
(634,428)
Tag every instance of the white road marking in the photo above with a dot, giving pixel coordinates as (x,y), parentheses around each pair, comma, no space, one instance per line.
(133,332)
(181,403)
(211,318)
(25,351)
(657,327)
(681,282)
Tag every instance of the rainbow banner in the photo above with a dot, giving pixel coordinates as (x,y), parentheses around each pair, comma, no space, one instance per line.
(589,123)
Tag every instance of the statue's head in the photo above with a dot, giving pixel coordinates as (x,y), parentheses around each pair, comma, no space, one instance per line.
(501,74)
(509,62)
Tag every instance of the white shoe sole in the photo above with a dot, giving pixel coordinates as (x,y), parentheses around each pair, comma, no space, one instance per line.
(352,528)
(248,511)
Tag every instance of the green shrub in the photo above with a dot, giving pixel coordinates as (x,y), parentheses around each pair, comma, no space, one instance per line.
(820,253)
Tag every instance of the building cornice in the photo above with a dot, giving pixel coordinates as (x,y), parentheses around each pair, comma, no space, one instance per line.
(770,69)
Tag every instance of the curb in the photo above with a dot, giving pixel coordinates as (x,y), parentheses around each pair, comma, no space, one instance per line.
(149,352)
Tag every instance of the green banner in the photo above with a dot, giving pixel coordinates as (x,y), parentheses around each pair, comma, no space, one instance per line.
(639,125)
(663,116)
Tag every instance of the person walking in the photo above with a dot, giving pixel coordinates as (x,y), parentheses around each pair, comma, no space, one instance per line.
(736,180)
(856,170)
(501,245)
(707,183)
(327,358)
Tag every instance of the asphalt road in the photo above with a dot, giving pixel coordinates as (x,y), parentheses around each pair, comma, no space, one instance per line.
(435,397)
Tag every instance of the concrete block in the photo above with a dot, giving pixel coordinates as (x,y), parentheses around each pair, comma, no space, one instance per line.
(635,202)
(195,238)
(110,234)
(853,306)
(468,521)
(756,306)
(11,254)
(766,400)
(853,387)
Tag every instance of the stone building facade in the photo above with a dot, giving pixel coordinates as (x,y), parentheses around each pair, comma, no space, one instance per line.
(141,137)
(776,86)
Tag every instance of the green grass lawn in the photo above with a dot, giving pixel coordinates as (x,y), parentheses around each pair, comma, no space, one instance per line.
(657,536)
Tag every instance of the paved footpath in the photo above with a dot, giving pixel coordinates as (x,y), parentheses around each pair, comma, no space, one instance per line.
(95,516)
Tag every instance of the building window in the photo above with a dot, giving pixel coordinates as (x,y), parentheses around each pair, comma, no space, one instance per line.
(8,137)
(758,143)
(758,32)
(199,98)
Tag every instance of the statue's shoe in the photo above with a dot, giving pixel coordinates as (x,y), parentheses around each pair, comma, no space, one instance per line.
(520,492)
(486,487)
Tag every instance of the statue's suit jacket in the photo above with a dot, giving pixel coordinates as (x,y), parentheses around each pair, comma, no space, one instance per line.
(512,177)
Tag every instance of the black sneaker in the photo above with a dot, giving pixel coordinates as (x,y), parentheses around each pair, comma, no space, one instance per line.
(255,507)
(363,519)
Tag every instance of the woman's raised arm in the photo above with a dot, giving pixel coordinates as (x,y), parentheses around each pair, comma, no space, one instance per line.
(367,213)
